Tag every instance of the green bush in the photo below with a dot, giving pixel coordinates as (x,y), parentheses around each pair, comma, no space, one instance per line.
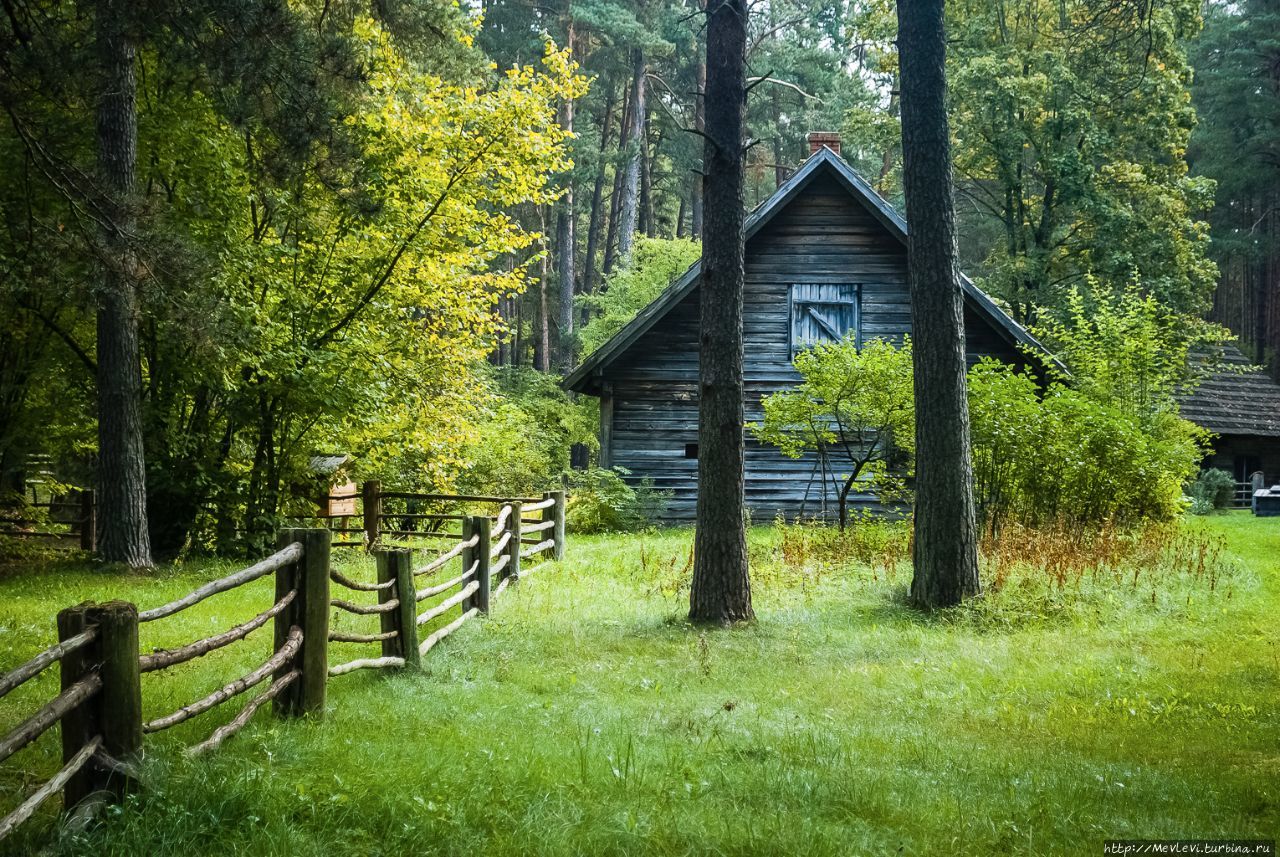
(1068,457)
(601,501)
(1212,489)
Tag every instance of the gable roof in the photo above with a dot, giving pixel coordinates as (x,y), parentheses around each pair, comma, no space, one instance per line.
(1238,400)
(824,160)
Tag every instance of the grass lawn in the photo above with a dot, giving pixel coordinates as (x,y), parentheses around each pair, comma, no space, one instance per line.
(586,717)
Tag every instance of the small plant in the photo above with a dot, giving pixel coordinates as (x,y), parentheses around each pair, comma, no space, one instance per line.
(602,501)
(1212,489)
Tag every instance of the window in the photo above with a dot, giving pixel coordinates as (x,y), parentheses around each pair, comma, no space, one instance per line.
(822,312)
(690,450)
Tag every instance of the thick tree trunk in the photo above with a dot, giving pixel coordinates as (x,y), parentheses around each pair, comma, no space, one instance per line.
(629,205)
(946,558)
(122,493)
(721,590)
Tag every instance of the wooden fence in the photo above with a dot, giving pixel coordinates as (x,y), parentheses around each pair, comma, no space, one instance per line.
(69,522)
(100,704)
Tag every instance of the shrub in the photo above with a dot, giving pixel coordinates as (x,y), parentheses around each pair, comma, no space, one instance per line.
(1071,458)
(1212,489)
(602,501)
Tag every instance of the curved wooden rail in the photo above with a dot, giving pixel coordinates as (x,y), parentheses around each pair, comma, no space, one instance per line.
(365,664)
(424,594)
(503,516)
(439,635)
(342,580)
(169,657)
(48,714)
(32,668)
(448,555)
(501,544)
(537,549)
(540,505)
(366,609)
(55,784)
(537,528)
(443,607)
(238,722)
(340,637)
(291,553)
(500,563)
(286,652)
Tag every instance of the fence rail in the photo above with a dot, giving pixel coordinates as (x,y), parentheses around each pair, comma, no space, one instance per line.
(99,708)
(82,526)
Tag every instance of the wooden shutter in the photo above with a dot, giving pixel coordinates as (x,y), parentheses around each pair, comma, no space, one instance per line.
(822,312)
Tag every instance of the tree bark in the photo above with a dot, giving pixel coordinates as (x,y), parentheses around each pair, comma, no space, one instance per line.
(699,125)
(629,206)
(721,590)
(945,558)
(647,224)
(615,198)
(543,357)
(597,212)
(122,493)
(567,243)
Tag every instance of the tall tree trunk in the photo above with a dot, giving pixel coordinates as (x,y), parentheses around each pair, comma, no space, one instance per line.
(628,207)
(597,194)
(566,245)
(721,590)
(647,225)
(699,125)
(615,198)
(122,492)
(542,359)
(946,556)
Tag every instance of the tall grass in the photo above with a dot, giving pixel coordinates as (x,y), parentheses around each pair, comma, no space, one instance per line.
(585,716)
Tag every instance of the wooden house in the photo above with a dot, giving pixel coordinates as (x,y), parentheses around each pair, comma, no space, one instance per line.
(825,257)
(335,491)
(1241,405)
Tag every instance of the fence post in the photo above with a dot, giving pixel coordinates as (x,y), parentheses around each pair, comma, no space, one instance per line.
(88,521)
(477,525)
(557,515)
(513,544)
(114,712)
(397,565)
(372,511)
(310,612)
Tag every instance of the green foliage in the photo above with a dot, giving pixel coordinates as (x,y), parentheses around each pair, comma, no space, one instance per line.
(1129,350)
(327,220)
(602,501)
(1071,123)
(1212,489)
(855,406)
(522,434)
(655,264)
(1066,456)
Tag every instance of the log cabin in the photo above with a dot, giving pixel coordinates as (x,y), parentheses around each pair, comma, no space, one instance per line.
(1240,404)
(825,258)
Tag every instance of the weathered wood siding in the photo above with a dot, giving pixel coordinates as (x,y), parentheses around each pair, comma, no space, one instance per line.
(823,236)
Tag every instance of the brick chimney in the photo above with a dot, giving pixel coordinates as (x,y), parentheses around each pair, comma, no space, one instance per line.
(818,139)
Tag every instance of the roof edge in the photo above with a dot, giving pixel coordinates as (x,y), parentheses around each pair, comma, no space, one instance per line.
(880,208)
